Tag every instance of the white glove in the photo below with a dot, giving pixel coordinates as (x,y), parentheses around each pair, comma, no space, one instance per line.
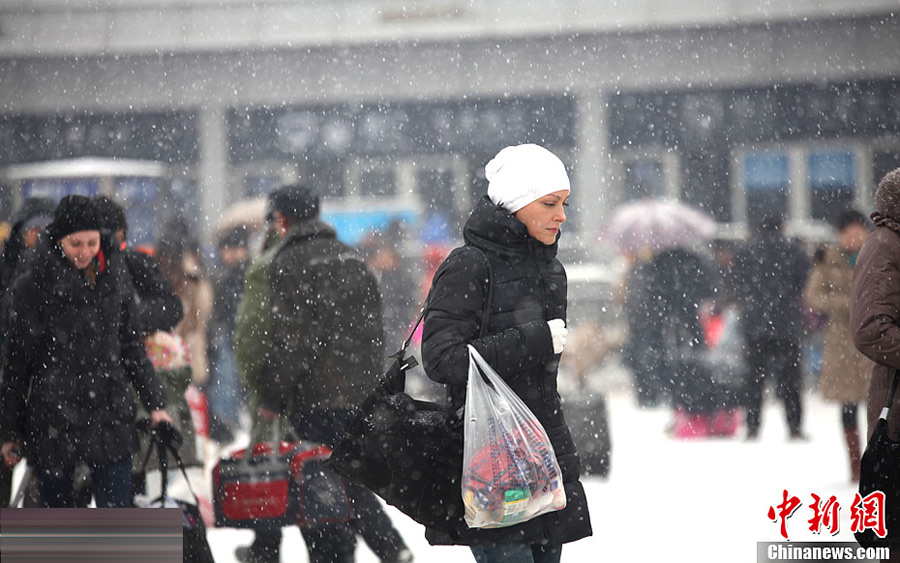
(558,332)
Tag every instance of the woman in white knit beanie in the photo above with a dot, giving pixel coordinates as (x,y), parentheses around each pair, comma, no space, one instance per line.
(521,175)
(504,293)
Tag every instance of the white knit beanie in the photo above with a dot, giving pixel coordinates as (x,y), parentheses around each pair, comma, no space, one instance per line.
(521,174)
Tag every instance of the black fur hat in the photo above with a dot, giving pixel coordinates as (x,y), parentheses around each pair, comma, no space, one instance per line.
(73,214)
(112,214)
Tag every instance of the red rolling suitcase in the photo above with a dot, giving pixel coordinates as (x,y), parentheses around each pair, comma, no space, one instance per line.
(265,490)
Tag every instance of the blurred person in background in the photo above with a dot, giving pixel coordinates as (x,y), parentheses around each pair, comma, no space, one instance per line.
(181,263)
(395,275)
(252,347)
(317,359)
(158,311)
(680,283)
(224,387)
(643,350)
(724,340)
(769,274)
(845,373)
(665,296)
(35,214)
(158,307)
(73,353)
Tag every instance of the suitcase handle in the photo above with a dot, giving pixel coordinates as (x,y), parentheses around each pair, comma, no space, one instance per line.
(275,437)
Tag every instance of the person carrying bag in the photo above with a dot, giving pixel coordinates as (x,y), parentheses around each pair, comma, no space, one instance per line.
(516,226)
(879,468)
(875,328)
(503,293)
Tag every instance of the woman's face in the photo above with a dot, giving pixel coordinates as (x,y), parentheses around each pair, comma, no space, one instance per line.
(81,247)
(852,236)
(30,236)
(543,216)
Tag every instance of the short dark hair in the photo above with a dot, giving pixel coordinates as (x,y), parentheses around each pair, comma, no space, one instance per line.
(295,201)
(235,236)
(850,217)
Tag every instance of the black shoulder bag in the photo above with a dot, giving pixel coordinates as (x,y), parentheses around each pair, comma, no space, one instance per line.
(408,452)
(879,471)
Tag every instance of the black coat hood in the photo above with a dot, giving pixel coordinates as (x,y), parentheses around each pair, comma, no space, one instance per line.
(494,229)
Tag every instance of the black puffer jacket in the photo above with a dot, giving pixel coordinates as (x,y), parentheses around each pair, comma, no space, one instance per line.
(72,353)
(529,289)
(768,277)
(158,306)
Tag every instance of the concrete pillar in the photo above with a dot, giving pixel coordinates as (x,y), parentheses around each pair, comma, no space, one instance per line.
(212,185)
(593,171)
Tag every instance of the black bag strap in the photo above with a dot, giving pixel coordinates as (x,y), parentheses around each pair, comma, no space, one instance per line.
(486,315)
(890,396)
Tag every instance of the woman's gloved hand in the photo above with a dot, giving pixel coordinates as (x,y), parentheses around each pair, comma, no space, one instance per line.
(558,332)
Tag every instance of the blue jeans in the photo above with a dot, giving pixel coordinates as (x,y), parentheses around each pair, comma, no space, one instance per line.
(517,553)
(224,387)
(111,485)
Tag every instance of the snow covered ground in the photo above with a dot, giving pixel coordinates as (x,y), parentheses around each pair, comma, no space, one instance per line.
(673,500)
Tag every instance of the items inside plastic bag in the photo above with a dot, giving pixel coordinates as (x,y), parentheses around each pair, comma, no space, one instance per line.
(510,472)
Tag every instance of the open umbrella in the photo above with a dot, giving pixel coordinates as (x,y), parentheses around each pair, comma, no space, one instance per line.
(655,224)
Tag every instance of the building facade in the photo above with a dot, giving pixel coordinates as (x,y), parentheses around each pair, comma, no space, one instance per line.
(791,105)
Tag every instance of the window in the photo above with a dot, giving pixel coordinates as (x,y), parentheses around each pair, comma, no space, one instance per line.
(883,161)
(377,181)
(643,178)
(766,179)
(832,181)
(424,192)
(810,183)
(57,188)
(139,195)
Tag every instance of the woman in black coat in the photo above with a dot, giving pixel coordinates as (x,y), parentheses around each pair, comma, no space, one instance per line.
(72,353)
(517,227)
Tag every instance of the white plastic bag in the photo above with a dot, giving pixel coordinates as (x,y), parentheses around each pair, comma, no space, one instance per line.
(510,472)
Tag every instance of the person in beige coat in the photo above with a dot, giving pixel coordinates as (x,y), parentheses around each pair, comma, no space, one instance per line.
(845,374)
(180,262)
(179,258)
